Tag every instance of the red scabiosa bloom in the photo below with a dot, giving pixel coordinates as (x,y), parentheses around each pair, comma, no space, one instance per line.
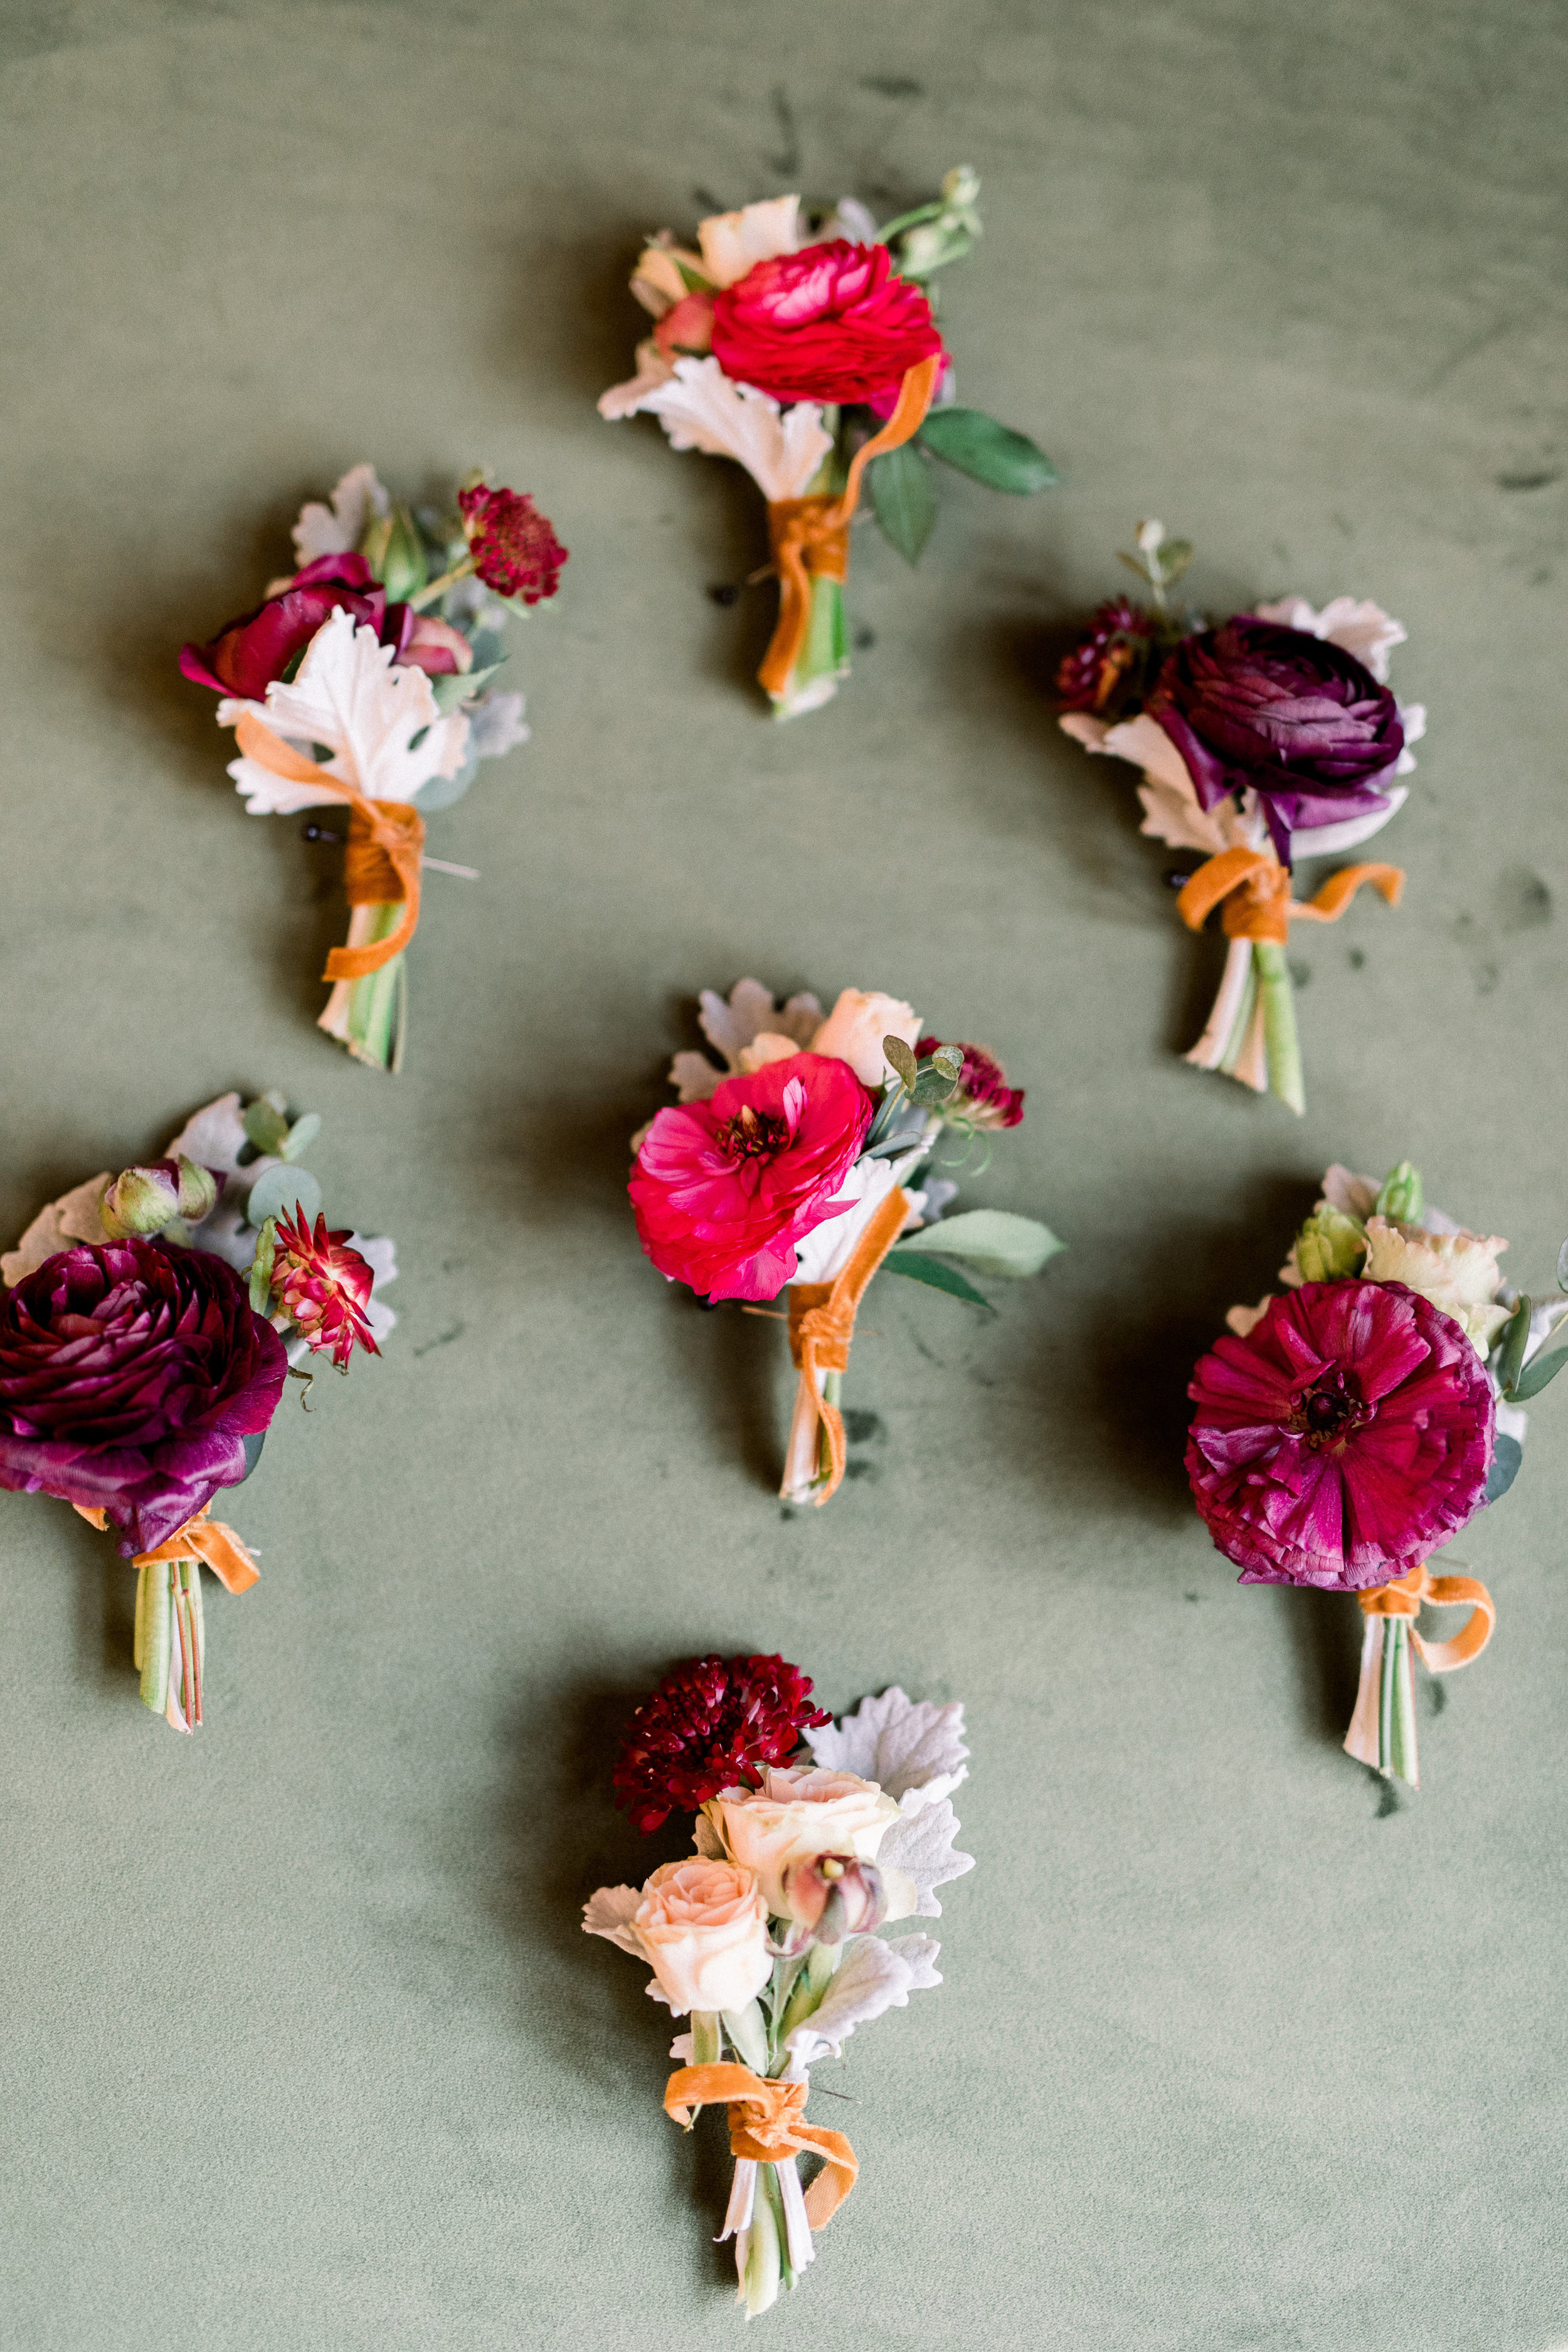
(725,1188)
(1345,1438)
(712,1724)
(984,1097)
(1115,642)
(513,546)
(833,323)
(322,1286)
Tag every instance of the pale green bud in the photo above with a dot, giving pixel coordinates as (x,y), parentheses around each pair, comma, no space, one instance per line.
(1330,1245)
(961,187)
(1400,1199)
(395,553)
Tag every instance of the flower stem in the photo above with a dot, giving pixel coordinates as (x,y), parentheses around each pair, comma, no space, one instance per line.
(437,588)
(707,2041)
(369,1016)
(833,1391)
(824,657)
(761,2267)
(1280,1041)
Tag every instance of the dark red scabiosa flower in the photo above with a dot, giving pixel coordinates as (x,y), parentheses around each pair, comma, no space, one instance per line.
(984,1095)
(713,1724)
(130,1375)
(1345,1438)
(1115,644)
(1301,721)
(244,658)
(830,324)
(725,1188)
(513,546)
(322,1286)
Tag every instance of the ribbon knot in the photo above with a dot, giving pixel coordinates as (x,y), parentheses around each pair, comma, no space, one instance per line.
(767,2125)
(1406,1596)
(809,537)
(208,1540)
(382,861)
(1252,889)
(821,1325)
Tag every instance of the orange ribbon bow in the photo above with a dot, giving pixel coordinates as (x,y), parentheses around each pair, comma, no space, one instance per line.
(810,537)
(208,1540)
(767,2124)
(1255,891)
(381,863)
(1405,1598)
(822,1324)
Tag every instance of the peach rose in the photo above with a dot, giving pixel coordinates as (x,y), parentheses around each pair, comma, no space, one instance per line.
(856,1025)
(798,1813)
(703,1927)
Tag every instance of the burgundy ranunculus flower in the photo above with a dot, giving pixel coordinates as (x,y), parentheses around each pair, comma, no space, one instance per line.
(245,658)
(984,1094)
(1300,720)
(725,1188)
(514,547)
(1345,1438)
(712,1724)
(831,324)
(130,1375)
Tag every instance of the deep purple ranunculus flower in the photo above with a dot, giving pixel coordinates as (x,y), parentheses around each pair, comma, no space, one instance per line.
(1345,1438)
(244,658)
(130,1375)
(1300,720)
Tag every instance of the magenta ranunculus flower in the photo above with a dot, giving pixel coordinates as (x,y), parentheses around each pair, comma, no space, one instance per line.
(244,658)
(1295,716)
(1345,1438)
(830,324)
(130,1375)
(725,1188)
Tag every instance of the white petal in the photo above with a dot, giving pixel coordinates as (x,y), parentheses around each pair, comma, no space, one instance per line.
(214,1137)
(920,1844)
(873,1977)
(733,243)
(1355,624)
(701,409)
(694,1077)
(495,726)
(905,1745)
(349,697)
(829,1247)
(609,1913)
(73,1217)
(1333,840)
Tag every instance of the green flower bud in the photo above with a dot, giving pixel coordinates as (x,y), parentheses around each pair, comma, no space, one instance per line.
(199,1191)
(395,553)
(1330,1245)
(1400,1199)
(142,1200)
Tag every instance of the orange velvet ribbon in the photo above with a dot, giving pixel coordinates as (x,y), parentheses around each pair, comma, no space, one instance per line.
(767,2124)
(822,1324)
(381,865)
(1254,890)
(208,1540)
(811,536)
(1405,1597)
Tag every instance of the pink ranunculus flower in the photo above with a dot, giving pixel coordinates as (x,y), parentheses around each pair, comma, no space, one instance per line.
(831,324)
(1344,1439)
(723,1189)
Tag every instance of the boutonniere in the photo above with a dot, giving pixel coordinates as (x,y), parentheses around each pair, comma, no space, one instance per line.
(361,685)
(1357,1421)
(1264,738)
(765,1937)
(148,1325)
(800,1169)
(806,347)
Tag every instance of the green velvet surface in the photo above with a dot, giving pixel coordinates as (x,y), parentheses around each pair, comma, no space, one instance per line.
(1237,2049)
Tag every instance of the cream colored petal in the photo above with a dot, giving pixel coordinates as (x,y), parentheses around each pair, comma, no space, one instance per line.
(733,243)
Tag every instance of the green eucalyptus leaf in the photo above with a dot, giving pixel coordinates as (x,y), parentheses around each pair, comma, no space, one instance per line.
(993,1241)
(1508,1453)
(940,1277)
(988,451)
(267,1124)
(1510,1346)
(1175,556)
(899,1057)
(903,498)
(301,1136)
(1136,564)
(283,1189)
(454,687)
(261,1267)
(1537,1374)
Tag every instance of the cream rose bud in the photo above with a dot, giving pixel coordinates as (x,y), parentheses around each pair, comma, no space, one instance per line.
(856,1025)
(1457,1272)
(767,1046)
(796,1813)
(703,1927)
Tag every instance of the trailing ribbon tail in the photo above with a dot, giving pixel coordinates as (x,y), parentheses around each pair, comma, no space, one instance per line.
(810,536)
(767,2126)
(821,1326)
(1383,1727)
(170,1643)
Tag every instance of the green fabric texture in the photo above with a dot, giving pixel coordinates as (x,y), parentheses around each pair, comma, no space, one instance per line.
(1238,2052)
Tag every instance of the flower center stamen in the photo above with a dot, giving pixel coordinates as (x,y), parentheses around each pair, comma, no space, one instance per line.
(1327,1414)
(753,1134)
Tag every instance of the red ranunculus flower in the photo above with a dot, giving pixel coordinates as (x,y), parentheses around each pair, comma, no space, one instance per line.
(725,1188)
(984,1094)
(832,323)
(245,658)
(130,1375)
(1345,1438)
(514,547)
(712,1724)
